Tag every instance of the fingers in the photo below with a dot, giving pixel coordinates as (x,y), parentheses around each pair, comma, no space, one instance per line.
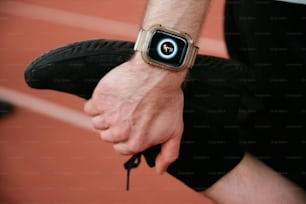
(168,154)
(107,136)
(109,132)
(128,138)
(129,147)
(114,135)
(123,149)
(90,108)
(100,123)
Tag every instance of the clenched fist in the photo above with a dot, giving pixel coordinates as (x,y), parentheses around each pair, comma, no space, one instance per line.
(136,106)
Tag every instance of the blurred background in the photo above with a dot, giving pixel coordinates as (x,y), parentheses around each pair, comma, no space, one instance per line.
(48,150)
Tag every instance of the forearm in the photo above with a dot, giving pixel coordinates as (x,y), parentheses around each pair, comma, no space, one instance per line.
(184,15)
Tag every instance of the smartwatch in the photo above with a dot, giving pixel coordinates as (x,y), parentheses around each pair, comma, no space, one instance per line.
(166,48)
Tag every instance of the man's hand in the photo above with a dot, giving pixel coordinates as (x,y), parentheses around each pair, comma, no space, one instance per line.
(136,106)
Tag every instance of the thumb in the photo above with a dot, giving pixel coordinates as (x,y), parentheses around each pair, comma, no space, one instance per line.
(169,153)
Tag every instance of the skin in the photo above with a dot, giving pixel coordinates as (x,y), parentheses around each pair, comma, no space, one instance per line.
(253,182)
(136,106)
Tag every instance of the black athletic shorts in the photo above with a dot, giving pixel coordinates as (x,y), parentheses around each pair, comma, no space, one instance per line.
(270,37)
(256,105)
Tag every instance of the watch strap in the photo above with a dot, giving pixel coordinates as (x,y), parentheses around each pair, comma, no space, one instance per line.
(138,46)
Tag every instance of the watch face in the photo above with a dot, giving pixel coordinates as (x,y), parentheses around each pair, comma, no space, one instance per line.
(167,48)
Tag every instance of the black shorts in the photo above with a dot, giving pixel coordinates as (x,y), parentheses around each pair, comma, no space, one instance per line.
(270,37)
(257,105)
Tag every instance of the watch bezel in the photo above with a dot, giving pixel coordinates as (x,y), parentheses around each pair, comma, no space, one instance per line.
(189,56)
(175,52)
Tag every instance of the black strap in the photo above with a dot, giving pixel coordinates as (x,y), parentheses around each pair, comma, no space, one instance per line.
(133,162)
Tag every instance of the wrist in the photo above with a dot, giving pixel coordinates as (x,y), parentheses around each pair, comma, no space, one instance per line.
(171,78)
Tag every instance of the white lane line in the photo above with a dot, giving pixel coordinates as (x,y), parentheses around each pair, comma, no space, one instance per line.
(47,108)
(93,23)
(67,18)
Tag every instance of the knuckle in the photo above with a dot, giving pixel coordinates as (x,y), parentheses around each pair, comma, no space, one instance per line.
(95,122)
(104,137)
(136,146)
(101,122)
(121,150)
(87,107)
(128,148)
(120,134)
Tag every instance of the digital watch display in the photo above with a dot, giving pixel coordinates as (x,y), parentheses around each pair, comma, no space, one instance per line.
(166,48)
